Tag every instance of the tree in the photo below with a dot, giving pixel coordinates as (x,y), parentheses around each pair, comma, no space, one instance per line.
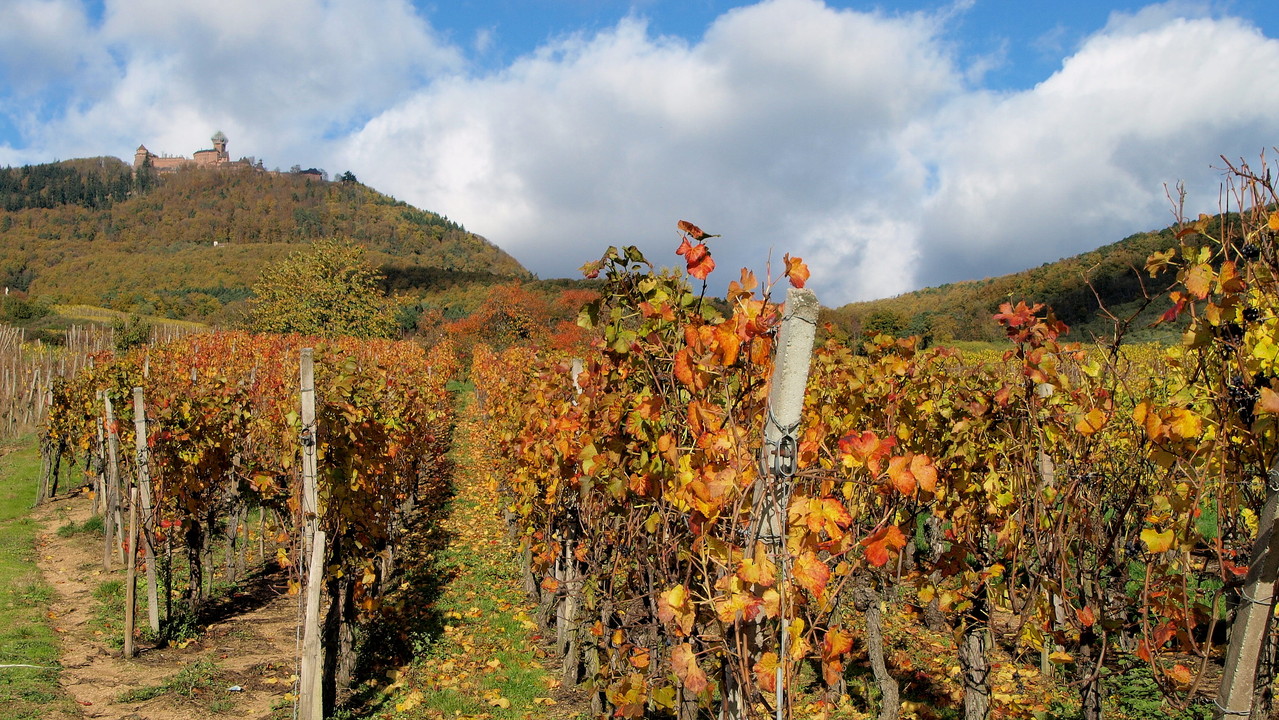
(884,322)
(328,289)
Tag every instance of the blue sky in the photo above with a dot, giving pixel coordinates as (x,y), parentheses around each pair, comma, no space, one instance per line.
(892,145)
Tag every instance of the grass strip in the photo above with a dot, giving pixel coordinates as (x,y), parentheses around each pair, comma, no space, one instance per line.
(25,635)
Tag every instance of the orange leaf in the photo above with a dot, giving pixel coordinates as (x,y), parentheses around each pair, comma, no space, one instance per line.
(1143,650)
(821,514)
(882,544)
(836,643)
(835,646)
(684,663)
(1092,422)
(744,289)
(727,342)
(1269,402)
(921,466)
(1085,616)
(811,573)
(796,270)
(692,230)
(899,473)
(766,672)
(674,607)
(684,371)
(1198,280)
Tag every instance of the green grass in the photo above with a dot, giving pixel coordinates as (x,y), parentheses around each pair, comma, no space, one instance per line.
(92,526)
(201,682)
(25,636)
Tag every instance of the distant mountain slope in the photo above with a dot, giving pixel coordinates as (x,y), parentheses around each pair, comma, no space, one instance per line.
(198,238)
(1072,287)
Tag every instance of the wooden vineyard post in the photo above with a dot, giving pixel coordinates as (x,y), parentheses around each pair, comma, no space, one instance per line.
(778,457)
(1252,617)
(148,518)
(310,691)
(310,688)
(130,583)
(115,491)
(570,586)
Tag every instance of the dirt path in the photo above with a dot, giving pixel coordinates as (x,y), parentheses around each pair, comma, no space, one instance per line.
(251,649)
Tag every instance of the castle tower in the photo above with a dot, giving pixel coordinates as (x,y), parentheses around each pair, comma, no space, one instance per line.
(140,157)
(219,146)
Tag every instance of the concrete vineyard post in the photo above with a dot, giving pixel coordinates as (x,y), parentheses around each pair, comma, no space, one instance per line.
(1252,617)
(777,459)
(310,499)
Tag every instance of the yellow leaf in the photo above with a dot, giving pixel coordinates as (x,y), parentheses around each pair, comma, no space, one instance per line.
(1157,542)
(1061,658)
(1091,423)
(1186,424)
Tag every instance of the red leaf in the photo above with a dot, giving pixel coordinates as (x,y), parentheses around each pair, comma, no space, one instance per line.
(1015,317)
(1172,314)
(883,544)
(864,449)
(698,258)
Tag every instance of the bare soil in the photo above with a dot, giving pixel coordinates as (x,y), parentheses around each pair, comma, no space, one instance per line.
(245,652)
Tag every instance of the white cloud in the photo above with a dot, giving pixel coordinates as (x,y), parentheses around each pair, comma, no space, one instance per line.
(849,138)
(770,129)
(1081,159)
(277,76)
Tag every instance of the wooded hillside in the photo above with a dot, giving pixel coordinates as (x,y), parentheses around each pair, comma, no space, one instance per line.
(77,232)
(1076,288)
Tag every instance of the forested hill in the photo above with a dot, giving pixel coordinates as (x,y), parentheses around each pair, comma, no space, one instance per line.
(84,231)
(1072,287)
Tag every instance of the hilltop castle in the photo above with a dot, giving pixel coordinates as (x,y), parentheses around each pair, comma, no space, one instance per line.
(214,158)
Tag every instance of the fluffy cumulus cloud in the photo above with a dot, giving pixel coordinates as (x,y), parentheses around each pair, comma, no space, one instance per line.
(1089,155)
(850,138)
(778,129)
(858,140)
(279,76)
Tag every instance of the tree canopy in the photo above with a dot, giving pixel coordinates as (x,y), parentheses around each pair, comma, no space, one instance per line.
(329,289)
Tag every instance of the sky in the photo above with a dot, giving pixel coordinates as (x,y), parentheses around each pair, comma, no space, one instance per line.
(893,146)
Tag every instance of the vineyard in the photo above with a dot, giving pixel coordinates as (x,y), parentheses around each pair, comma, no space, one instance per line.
(717,514)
